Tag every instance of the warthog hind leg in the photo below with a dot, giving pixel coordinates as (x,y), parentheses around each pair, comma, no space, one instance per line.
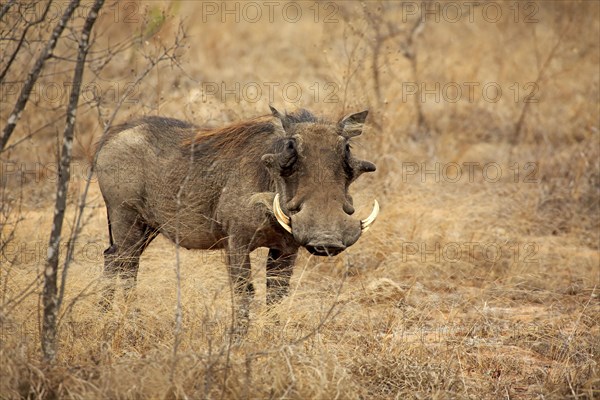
(130,237)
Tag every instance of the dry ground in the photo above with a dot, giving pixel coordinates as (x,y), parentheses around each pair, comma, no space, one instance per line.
(483,285)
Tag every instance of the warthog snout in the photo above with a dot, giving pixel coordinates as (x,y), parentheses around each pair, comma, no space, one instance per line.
(325,246)
(322,231)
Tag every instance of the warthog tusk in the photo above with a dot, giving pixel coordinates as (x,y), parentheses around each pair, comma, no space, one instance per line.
(283,219)
(366,223)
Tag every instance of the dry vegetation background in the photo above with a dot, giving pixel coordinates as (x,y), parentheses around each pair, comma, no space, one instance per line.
(484,286)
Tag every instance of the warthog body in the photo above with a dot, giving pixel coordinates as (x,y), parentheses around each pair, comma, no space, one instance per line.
(277,181)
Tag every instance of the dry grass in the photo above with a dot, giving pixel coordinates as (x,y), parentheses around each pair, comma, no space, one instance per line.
(506,307)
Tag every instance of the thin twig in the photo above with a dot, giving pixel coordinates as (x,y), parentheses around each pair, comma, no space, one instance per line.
(22,40)
(5,7)
(15,115)
(540,76)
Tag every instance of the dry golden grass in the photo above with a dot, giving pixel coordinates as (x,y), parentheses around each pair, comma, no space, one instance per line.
(389,318)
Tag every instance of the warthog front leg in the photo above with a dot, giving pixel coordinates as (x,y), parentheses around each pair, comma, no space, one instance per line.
(238,262)
(279,272)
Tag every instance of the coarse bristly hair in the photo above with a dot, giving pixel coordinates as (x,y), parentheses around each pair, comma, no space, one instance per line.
(236,137)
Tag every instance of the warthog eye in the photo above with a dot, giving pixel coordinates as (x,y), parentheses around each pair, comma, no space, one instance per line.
(284,159)
(347,157)
(288,158)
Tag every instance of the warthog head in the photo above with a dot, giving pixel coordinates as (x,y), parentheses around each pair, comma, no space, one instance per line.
(313,167)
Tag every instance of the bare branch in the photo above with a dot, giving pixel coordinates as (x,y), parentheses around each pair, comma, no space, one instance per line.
(50,299)
(540,77)
(32,77)
(5,7)
(22,39)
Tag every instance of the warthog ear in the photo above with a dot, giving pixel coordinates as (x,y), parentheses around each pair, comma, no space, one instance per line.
(352,124)
(276,113)
(281,117)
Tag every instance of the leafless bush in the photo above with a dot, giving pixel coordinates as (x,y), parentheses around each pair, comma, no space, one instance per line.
(80,37)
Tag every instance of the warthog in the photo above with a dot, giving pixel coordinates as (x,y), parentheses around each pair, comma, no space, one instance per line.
(278,181)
